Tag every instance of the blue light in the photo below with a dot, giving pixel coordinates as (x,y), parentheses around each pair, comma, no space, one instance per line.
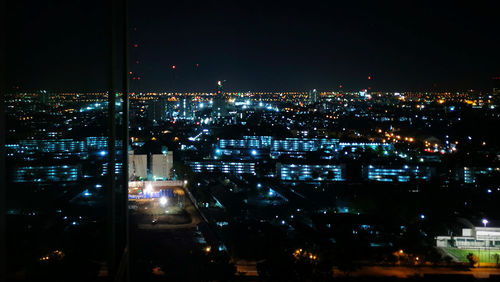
(254,152)
(271,193)
(103,153)
(422,216)
(217,151)
(259,185)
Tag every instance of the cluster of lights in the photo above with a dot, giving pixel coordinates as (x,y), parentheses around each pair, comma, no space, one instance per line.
(299,253)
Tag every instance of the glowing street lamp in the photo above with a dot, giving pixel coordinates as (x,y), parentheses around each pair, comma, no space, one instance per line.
(163,201)
(485,221)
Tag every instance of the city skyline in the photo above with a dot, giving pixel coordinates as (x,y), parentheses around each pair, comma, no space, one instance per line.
(250,141)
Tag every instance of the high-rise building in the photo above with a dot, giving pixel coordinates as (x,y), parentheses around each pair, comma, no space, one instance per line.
(157,109)
(185,108)
(219,107)
(312,97)
(43,97)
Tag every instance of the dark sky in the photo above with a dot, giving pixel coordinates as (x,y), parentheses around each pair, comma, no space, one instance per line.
(273,45)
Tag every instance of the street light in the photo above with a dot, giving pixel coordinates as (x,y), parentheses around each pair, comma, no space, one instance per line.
(485,221)
(163,201)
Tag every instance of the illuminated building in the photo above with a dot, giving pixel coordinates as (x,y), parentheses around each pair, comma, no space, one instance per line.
(312,96)
(157,109)
(304,144)
(161,165)
(472,238)
(185,108)
(54,173)
(137,166)
(397,173)
(99,143)
(52,146)
(364,146)
(223,166)
(470,175)
(118,168)
(219,107)
(248,142)
(310,172)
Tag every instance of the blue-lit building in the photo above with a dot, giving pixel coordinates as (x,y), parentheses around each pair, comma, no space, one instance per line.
(97,142)
(223,166)
(397,173)
(469,175)
(54,173)
(247,142)
(364,146)
(94,143)
(118,168)
(57,149)
(304,144)
(310,172)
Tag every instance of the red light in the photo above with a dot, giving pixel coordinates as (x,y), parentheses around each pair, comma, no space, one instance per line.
(340,86)
(137,62)
(197,65)
(130,73)
(369,77)
(135,45)
(173,67)
(133,78)
(139,78)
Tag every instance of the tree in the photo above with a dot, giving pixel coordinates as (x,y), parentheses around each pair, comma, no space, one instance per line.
(472,259)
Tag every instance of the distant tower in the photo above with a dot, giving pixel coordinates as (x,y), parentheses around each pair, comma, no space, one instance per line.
(157,109)
(219,107)
(312,97)
(44,97)
(185,107)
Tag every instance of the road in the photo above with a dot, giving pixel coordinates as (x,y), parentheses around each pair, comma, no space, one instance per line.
(405,272)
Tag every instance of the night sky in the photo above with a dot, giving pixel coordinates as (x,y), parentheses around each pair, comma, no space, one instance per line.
(62,45)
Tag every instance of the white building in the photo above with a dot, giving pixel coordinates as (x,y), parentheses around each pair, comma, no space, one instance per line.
(161,165)
(476,237)
(137,166)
